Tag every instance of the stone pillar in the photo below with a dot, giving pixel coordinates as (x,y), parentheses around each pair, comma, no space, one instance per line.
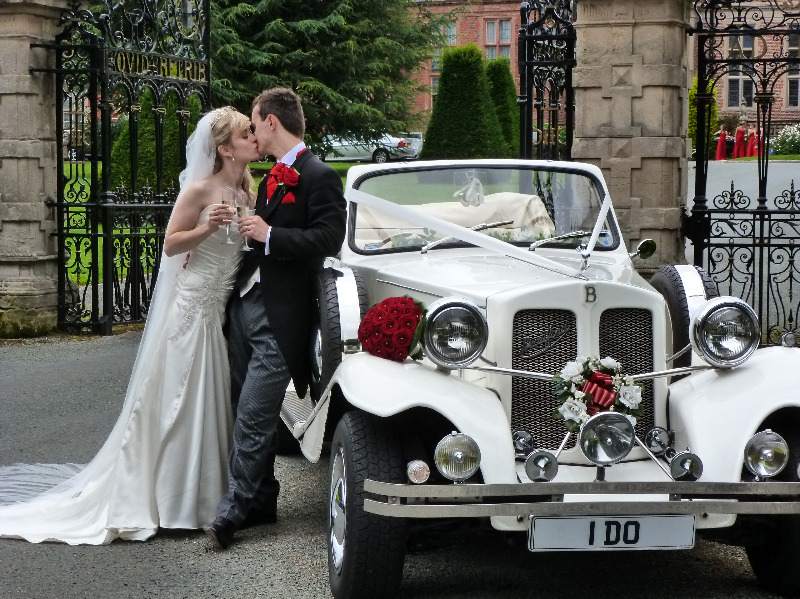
(630,90)
(28,260)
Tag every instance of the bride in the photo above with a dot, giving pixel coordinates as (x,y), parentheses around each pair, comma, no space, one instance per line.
(164,465)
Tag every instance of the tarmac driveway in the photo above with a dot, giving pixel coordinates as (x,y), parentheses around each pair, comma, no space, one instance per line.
(58,401)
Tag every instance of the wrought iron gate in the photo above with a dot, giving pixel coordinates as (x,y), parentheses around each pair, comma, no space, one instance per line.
(546,44)
(131,81)
(750,249)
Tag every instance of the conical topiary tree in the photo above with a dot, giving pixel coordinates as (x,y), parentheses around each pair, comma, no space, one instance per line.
(146,158)
(463,122)
(504,95)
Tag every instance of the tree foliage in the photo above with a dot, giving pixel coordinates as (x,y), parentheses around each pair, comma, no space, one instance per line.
(349,60)
(172,161)
(503,92)
(463,121)
(714,116)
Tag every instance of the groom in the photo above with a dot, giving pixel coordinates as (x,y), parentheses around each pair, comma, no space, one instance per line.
(300,219)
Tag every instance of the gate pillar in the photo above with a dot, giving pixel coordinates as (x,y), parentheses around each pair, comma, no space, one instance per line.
(630,116)
(28,260)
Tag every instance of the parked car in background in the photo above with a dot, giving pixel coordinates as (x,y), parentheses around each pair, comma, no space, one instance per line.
(414,138)
(385,148)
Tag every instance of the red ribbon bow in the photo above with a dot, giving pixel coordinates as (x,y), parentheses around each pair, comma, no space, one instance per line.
(601,387)
(282,174)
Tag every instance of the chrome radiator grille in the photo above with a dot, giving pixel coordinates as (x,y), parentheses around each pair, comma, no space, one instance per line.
(626,334)
(545,340)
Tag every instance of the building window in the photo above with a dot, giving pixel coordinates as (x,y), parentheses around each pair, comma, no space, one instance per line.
(452,34)
(794,71)
(434,86)
(449,33)
(436,61)
(497,38)
(740,86)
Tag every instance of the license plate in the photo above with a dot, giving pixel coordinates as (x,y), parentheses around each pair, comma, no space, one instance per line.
(601,533)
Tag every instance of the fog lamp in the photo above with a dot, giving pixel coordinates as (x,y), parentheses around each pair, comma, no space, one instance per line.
(457,457)
(606,438)
(766,454)
(686,466)
(541,466)
(418,472)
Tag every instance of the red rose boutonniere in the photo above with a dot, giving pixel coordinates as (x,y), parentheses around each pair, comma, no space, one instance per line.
(282,176)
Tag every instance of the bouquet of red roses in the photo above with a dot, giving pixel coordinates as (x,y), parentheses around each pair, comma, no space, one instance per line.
(392,329)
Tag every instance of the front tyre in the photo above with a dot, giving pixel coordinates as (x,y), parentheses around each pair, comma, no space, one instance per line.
(774,551)
(365,552)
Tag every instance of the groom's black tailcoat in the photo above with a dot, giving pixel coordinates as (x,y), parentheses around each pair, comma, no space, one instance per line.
(302,234)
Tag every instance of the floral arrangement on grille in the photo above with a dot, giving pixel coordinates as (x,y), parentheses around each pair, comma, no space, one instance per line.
(392,329)
(588,385)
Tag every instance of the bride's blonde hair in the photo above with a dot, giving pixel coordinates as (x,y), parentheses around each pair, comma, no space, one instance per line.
(229,122)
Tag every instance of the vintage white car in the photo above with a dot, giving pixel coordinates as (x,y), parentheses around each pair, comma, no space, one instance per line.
(530,291)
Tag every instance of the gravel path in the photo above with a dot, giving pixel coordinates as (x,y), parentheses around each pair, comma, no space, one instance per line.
(58,400)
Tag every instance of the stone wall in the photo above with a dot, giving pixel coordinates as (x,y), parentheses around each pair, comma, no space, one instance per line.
(631,114)
(28,261)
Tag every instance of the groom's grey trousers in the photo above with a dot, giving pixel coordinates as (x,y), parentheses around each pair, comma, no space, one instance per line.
(259,378)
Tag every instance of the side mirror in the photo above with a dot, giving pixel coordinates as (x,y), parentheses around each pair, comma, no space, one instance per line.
(645,249)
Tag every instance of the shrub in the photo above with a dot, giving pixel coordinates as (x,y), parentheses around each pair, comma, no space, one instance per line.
(504,96)
(715,123)
(173,150)
(463,122)
(787,141)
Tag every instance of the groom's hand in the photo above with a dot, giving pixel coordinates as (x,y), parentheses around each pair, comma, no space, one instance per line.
(254,227)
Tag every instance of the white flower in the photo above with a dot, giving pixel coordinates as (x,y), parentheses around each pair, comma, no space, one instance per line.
(628,380)
(579,395)
(571,371)
(632,419)
(609,363)
(572,409)
(630,396)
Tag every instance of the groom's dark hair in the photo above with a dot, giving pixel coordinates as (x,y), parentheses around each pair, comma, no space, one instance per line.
(285,105)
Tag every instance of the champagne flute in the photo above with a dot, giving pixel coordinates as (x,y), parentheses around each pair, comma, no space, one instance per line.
(243,209)
(227,199)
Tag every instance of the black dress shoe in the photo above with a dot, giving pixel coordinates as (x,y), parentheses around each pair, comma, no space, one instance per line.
(220,533)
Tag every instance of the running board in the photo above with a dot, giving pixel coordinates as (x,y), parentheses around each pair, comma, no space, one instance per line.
(295,410)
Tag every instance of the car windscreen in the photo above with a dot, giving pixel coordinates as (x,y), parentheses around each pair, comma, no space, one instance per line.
(517,205)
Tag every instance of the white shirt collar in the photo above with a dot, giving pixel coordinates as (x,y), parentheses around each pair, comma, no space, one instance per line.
(290,156)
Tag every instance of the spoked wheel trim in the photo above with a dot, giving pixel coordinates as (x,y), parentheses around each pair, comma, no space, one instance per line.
(338,510)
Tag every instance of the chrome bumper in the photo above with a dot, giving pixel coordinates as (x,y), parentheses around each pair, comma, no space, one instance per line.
(547,499)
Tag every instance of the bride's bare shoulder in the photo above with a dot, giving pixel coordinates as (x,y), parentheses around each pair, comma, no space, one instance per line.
(197,192)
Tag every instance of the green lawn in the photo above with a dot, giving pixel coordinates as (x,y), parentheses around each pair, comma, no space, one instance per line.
(773,157)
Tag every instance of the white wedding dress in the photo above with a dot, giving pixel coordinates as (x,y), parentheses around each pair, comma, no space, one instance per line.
(165,463)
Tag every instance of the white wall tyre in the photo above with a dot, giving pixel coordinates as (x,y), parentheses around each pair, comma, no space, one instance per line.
(365,552)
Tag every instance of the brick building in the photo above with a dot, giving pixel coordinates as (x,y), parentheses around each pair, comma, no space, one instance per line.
(493,26)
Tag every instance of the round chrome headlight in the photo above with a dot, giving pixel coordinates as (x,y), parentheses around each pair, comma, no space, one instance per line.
(606,438)
(766,454)
(457,457)
(725,332)
(455,333)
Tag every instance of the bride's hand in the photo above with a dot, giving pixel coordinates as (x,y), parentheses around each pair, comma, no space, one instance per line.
(220,215)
